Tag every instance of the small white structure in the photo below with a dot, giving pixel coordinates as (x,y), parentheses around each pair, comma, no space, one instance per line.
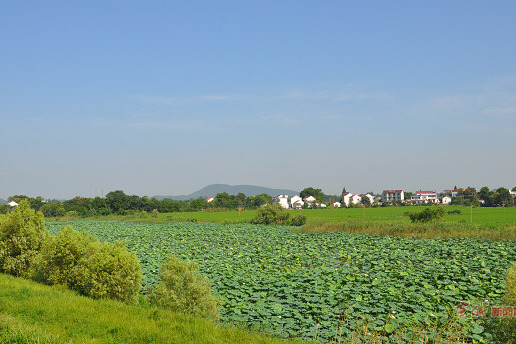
(210,199)
(446,200)
(425,197)
(282,200)
(12,204)
(336,204)
(322,205)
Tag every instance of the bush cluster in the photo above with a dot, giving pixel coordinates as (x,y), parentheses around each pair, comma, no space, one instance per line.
(275,214)
(93,268)
(97,269)
(426,215)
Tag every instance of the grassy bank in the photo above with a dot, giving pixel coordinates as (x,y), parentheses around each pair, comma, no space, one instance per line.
(404,229)
(34,313)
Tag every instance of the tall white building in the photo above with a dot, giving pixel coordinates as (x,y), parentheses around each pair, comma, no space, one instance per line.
(392,195)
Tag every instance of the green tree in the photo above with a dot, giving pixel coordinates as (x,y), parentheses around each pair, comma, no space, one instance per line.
(117,201)
(261,199)
(198,204)
(182,289)
(21,235)
(484,194)
(502,197)
(316,193)
(18,198)
(53,209)
(225,200)
(468,197)
(366,201)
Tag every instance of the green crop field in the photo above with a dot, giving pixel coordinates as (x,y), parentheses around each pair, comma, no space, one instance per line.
(324,285)
(482,216)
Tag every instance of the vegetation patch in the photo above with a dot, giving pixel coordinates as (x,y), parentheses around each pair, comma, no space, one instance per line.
(331,285)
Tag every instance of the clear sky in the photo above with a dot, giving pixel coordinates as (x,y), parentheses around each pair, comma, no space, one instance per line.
(166,97)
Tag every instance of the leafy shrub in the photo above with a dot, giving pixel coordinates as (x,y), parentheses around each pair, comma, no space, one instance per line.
(454,212)
(426,215)
(298,220)
(183,290)
(72,214)
(95,269)
(109,271)
(21,235)
(270,214)
(61,257)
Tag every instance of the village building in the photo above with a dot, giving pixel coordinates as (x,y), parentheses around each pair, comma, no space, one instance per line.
(425,197)
(296,202)
(446,200)
(282,200)
(393,195)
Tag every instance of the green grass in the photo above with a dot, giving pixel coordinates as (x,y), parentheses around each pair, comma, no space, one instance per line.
(34,313)
(494,217)
(432,230)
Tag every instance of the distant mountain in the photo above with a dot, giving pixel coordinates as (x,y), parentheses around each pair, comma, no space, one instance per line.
(214,189)
(2,201)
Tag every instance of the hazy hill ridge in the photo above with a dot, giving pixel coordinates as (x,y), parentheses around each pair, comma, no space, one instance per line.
(214,189)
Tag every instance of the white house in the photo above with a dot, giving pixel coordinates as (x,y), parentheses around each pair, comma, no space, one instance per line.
(310,200)
(296,202)
(282,200)
(371,198)
(446,200)
(210,199)
(12,204)
(356,199)
(425,197)
(393,195)
(346,198)
(513,194)
(336,204)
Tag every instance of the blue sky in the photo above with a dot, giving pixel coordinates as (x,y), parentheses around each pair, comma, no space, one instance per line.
(166,97)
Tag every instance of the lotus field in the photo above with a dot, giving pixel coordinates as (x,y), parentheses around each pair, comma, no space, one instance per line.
(306,285)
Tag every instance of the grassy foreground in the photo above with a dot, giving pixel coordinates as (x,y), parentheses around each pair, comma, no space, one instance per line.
(35,313)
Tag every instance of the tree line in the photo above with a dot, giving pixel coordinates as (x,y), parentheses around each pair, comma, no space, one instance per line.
(119,203)
(469,196)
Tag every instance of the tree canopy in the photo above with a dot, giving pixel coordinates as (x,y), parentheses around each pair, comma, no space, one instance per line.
(316,193)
